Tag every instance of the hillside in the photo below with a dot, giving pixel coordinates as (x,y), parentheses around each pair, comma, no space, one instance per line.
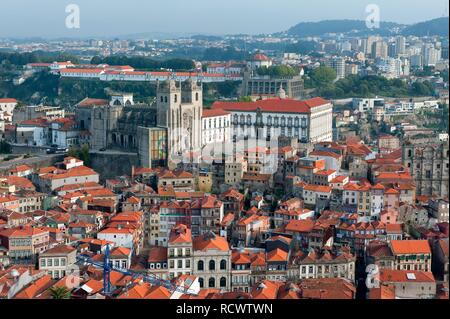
(432,27)
(437,26)
(307,29)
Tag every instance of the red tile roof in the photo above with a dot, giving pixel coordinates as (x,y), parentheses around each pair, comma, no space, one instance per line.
(275,105)
(400,247)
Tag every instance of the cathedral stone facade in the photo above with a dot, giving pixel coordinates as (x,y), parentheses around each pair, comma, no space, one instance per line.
(179,109)
(428,165)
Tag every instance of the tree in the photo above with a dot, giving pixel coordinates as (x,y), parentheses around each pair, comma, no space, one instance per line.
(422,89)
(277,71)
(60,293)
(322,76)
(5,147)
(245,99)
(81,153)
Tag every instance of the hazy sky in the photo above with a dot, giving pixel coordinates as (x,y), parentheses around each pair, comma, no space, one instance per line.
(46,18)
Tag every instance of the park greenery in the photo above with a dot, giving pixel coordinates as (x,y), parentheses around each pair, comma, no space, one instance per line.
(323,80)
(144,63)
(279,71)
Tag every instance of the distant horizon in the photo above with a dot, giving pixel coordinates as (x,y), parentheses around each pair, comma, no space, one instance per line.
(180,34)
(119,19)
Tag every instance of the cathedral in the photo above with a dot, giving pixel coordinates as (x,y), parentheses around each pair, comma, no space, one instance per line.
(158,132)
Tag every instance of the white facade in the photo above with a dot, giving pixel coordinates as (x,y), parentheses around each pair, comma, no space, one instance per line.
(216,129)
(120,238)
(308,127)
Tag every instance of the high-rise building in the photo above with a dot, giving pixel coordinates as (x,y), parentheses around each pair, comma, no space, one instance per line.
(400,44)
(392,49)
(369,42)
(431,55)
(379,49)
(338,64)
(416,61)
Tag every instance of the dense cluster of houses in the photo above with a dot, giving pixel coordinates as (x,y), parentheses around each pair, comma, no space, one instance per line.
(344,207)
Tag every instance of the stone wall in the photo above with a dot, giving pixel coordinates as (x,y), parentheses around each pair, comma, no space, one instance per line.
(110,164)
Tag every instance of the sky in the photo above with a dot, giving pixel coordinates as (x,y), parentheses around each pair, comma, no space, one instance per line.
(107,18)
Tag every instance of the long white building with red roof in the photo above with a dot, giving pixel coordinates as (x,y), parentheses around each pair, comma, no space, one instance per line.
(309,120)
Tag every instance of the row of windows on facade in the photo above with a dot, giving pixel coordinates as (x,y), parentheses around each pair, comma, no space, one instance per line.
(242,119)
(53,262)
(200,265)
(210,122)
(212,282)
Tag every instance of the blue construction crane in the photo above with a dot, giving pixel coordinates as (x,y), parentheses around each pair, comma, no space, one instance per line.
(107,267)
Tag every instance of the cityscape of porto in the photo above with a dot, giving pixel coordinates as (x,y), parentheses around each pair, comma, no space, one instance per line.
(234,150)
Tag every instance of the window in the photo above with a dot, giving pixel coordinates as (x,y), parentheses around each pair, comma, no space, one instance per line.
(200,281)
(200,265)
(212,265)
(223,282)
(223,264)
(211,282)
(42,262)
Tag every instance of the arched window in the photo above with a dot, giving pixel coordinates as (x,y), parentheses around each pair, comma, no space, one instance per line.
(212,265)
(196,96)
(165,99)
(128,103)
(223,264)
(162,98)
(223,282)
(176,98)
(211,282)
(200,265)
(200,281)
(117,102)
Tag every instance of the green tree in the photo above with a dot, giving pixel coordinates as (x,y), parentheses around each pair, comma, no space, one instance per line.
(5,147)
(245,99)
(81,153)
(278,71)
(322,76)
(60,293)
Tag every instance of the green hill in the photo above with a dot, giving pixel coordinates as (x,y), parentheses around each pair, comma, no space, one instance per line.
(437,26)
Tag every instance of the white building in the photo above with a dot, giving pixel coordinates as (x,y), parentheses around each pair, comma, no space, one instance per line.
(7,107)
(258,61)
(215,126)
(366,105)
(121,237)
(308,120)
